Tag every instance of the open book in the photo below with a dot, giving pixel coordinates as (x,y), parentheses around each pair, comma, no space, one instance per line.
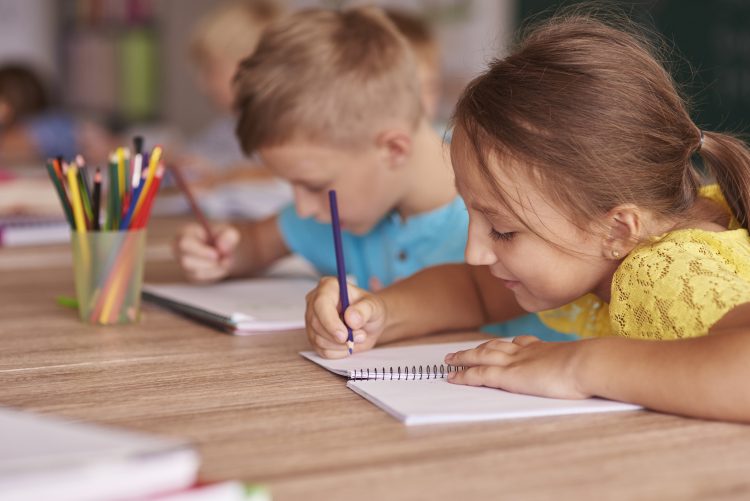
(49,458)
(410,384)
(239,306)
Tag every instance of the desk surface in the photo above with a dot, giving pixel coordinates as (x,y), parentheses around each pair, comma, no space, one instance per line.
(259,412)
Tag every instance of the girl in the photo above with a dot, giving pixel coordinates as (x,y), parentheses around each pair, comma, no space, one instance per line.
(573,155)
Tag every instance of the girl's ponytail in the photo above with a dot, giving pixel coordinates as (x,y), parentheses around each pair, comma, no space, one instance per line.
(728,159)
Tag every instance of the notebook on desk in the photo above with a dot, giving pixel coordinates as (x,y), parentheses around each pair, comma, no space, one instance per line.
(49,458)
(410,384)
(33,230)
(238,306)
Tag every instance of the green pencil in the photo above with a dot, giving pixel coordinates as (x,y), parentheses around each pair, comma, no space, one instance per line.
(60,193)
(114,197)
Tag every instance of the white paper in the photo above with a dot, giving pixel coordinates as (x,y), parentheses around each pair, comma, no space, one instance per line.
(248,305)
(49,458)
(426,400)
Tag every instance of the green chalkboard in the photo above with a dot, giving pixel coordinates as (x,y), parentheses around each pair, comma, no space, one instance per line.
(712,62)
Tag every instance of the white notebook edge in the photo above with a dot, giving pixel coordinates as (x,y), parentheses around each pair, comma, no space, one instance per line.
(476,418)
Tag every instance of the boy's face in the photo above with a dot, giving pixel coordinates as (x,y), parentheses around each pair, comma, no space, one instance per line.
(532,246)
(367,188)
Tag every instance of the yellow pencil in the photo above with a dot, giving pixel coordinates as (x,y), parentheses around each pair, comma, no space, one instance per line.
(153,162)
(121,170)
(75,202)
(75,198)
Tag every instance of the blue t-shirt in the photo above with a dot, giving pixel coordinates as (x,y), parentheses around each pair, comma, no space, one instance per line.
(54,134)
(395,249)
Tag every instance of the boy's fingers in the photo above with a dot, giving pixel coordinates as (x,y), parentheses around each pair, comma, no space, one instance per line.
(195,247)
(227,239)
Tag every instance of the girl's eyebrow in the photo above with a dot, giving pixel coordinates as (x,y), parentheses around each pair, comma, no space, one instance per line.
(485,210)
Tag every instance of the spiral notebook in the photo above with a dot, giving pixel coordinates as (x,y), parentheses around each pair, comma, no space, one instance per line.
(238,306)
(410,384)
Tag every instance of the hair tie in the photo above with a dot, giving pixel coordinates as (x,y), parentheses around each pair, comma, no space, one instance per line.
(700,143)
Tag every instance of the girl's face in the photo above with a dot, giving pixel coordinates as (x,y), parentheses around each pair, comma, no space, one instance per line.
(545,259)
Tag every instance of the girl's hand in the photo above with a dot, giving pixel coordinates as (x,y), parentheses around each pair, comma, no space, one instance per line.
(526,365)
(366,316)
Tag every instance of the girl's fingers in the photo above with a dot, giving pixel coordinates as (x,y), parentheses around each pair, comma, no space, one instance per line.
(525,340)
(478,376)
(324,303)
(493,352)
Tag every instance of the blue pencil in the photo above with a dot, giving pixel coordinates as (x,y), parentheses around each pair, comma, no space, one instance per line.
(340,265)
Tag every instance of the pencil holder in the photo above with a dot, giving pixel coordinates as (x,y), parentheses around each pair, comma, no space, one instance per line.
(108,269)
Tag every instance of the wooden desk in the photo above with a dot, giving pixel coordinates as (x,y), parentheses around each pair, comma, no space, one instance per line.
(260,413)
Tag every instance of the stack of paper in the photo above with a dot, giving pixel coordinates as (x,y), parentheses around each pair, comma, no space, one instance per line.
(32,230)
(48,458)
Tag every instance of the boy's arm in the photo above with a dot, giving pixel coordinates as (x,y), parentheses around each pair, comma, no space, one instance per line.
(261,244)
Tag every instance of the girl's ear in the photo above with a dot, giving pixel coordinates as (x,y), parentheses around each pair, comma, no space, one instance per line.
(395,146)
(623,230)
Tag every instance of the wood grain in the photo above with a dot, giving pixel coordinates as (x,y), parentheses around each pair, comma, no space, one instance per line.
(258,412)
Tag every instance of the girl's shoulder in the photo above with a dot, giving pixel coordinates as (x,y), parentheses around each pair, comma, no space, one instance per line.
(681,283)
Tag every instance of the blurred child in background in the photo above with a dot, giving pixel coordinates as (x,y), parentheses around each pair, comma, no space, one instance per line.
(31,130)
(426,48)
(219,42)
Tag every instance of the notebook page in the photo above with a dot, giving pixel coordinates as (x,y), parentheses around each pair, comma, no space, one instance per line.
(402,356)
(247,304)
(436,401)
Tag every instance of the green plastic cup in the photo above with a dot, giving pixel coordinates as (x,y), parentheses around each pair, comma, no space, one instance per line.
(108,268)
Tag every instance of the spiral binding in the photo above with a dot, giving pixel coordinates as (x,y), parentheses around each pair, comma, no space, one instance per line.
(404,373)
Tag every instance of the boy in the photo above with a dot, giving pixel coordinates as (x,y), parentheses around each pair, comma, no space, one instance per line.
(331,100)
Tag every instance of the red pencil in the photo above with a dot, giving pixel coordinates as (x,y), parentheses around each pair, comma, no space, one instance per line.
(183,186)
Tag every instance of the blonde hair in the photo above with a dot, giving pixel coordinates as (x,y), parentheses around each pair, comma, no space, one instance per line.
(326,76)
(232,30)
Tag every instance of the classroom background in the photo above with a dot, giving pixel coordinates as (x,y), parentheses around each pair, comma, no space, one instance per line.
(124,65)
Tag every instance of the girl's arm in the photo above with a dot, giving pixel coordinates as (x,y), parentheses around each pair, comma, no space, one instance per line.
(702,377)
(437,299)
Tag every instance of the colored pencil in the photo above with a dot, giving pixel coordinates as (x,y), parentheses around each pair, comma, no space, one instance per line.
(56,182)
(97,198)
(340,265)
(197,212)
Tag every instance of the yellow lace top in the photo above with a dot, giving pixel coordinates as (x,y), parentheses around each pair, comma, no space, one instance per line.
(678,285)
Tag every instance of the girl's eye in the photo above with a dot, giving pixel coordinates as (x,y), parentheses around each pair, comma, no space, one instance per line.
(496,235)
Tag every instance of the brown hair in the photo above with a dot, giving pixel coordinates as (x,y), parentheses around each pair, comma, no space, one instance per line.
(589,106)
(330,76)
(22,90)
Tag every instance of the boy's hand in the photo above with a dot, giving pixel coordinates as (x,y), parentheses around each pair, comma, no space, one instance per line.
(366,316)
(199,260)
